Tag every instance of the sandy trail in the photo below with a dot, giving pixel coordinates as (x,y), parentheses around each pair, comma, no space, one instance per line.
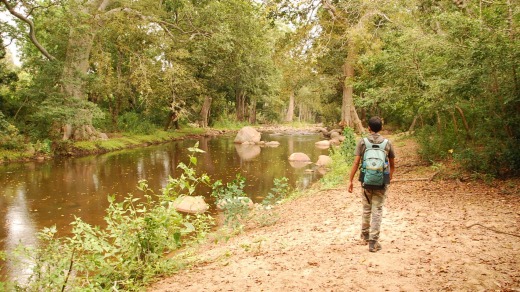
(429,238)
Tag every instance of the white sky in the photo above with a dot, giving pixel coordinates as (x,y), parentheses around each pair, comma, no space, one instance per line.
(5,16)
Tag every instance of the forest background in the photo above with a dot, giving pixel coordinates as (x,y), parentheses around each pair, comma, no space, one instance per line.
(447,70)
(102,73)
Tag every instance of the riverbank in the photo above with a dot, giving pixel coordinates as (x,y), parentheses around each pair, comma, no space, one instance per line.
(438,233)
(120,141)
(116,141)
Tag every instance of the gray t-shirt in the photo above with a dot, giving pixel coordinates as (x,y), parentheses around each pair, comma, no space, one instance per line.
(376,139)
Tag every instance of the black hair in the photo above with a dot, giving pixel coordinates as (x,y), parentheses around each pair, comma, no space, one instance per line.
(375,124)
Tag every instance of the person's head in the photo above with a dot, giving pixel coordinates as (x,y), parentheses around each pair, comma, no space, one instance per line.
(375,124)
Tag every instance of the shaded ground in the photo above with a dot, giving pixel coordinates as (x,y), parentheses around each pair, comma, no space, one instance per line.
(440,235)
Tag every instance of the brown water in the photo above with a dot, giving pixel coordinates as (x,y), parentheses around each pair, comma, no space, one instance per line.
(42,194)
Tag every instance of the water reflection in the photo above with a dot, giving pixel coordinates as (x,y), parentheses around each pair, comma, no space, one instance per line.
(247,152)
(42,194)
(19,227)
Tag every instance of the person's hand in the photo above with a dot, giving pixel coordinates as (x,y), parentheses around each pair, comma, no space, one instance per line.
(351,187)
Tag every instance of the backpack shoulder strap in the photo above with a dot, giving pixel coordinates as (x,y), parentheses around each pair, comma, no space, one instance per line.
(383,144)
(368,145)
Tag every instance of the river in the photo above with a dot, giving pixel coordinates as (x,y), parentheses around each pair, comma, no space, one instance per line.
(35,195)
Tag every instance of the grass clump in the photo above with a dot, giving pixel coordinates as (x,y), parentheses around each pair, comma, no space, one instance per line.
(342,158)
(129,140)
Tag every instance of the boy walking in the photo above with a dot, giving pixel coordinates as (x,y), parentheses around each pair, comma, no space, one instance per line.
(372,199)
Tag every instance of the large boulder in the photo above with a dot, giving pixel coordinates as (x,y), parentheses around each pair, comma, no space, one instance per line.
(190,204)
(334,134)
(324,144)
(272,144)
(299,160)
(247,134)
(324,161)
(335,141)
(299,156)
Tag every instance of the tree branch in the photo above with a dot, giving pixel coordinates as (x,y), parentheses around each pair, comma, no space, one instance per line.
(163,24)
(32,35)
(330,8)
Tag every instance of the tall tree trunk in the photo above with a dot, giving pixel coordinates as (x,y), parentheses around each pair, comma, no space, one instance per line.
(455,124)
(464,121)
(349,116)
(412,126)
(204,112)
(290,110)
(240,96)
(76,63)
(79,47)
(439,122)
(252,111)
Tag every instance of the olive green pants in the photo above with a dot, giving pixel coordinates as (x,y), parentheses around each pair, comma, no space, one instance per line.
(373,201)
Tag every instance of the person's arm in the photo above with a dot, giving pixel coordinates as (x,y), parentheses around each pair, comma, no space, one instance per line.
(392,167)
(353,171)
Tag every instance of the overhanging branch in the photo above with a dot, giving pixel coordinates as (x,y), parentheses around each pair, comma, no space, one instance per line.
(32,35)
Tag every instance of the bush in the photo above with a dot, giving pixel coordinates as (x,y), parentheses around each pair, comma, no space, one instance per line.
(10,139)
(57,111)
(124,255)
(511,157)
(342,159)
(496,158)
(483,154)
(435,146)
(233,201)
(134,123)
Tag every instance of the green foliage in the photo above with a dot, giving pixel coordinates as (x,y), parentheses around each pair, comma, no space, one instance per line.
(434,147)
(134,123)
(43,147)
(452,71)
(10,138)
(349,144)
(267,215)
(187,182)
(232,199)
(124,255)
(228,122)
(342,159)
(494,158)
(339,170)
(55,112)
(278,193)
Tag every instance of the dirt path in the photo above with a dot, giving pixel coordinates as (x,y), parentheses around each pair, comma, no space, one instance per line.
(429,239)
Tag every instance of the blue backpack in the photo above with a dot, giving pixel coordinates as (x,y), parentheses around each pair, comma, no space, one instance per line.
(375,171)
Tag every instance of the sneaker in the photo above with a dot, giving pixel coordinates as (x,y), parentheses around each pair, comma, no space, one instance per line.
(374,246)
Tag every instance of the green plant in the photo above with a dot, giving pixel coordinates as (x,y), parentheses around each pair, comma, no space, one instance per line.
(187,182)
(56,111)
(124,255)
(279,191)
(9,135)
(342,159)
(433,146)
(133,122)
(267,215)
(43,147)
(349,144)
(232,199)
